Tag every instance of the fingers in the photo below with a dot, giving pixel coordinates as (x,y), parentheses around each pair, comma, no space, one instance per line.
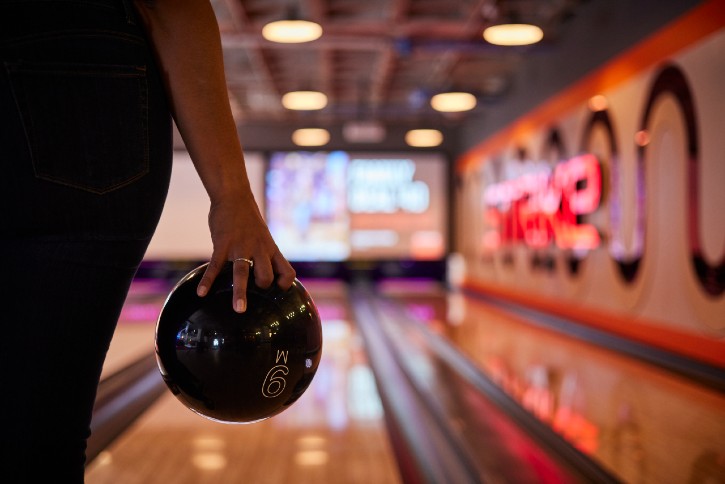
(265,268)
(285,272)
(212,270)
(263,274)
(240,277)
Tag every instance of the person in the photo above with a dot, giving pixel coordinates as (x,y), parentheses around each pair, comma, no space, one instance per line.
(87,93)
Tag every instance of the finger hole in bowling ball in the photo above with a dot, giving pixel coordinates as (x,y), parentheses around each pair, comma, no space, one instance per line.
(237,367)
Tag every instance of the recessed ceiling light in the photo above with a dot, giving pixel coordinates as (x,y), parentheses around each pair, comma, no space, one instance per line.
(423,138)
(291,31)
(310,137)
(453,102)
(513,34)
(304,100)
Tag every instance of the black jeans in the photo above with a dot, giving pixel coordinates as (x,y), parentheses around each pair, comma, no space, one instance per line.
(85,151)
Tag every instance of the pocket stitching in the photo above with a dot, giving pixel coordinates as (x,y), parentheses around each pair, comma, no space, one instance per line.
(85,70)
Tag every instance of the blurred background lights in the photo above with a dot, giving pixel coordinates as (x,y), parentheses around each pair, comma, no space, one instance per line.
(311,457)
(292,31)
(423,138)
(453,102)
(304,100)
(642,137)
(209,461)
(310,137)
(598,103)
(513,34)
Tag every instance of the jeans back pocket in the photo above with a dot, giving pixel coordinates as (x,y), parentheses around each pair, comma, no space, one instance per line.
(86,125)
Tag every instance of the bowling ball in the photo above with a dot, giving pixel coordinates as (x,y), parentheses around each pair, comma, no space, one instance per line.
(237,367)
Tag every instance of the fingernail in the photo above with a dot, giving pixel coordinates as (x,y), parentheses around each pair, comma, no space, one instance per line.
(241,305)
(201,291)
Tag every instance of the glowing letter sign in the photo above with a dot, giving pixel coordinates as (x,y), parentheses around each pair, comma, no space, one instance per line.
(542,207)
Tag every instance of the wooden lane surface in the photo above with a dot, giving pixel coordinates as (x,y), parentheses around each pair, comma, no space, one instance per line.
(134,335)
(641,422)
(334,433)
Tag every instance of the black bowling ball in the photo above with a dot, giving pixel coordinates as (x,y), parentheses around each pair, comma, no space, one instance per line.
(232,367)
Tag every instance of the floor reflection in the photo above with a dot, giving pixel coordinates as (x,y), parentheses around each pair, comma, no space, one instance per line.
(334,433)
(642,423)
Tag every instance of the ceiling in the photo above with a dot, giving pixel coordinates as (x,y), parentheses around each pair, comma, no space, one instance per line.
(377,59)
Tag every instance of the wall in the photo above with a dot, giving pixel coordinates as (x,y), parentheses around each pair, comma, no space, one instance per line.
(600,30)
(183,232)
(639,252)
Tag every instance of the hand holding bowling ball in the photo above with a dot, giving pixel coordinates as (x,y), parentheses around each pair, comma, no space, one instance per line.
(237,367)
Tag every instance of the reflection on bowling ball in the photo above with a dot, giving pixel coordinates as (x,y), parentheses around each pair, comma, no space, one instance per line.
(232,367)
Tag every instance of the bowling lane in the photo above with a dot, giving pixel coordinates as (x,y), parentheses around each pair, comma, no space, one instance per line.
(642,423)
(134,336)
(334,433)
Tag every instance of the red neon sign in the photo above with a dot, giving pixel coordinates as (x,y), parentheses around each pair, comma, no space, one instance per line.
(542,207)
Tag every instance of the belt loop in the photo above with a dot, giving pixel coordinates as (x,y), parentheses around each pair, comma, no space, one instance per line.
(128,9)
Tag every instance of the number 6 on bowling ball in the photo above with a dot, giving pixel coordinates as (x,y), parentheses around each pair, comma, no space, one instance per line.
(232,367)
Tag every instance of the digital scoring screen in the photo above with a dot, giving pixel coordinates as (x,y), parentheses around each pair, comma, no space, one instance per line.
(338,205)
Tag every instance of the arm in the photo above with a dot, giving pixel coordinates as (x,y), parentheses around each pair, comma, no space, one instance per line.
(185,37)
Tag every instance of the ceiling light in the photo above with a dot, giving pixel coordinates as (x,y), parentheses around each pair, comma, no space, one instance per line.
(513,34)
(304,100)
(291,31)
(423,138)
(453,102)
(363,132)
(310,137)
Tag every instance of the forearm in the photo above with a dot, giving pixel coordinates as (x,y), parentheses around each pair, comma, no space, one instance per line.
(186,39)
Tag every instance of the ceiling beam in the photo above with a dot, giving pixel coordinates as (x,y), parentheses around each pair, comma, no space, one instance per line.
(240,20)
(442,71)
(327,41)
(317,10)
(238,14)
(385,27)
(387,59)
(383,76)
(400,10)
(327,68)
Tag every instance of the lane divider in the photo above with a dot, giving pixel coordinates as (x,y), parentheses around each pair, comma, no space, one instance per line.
(121,398)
